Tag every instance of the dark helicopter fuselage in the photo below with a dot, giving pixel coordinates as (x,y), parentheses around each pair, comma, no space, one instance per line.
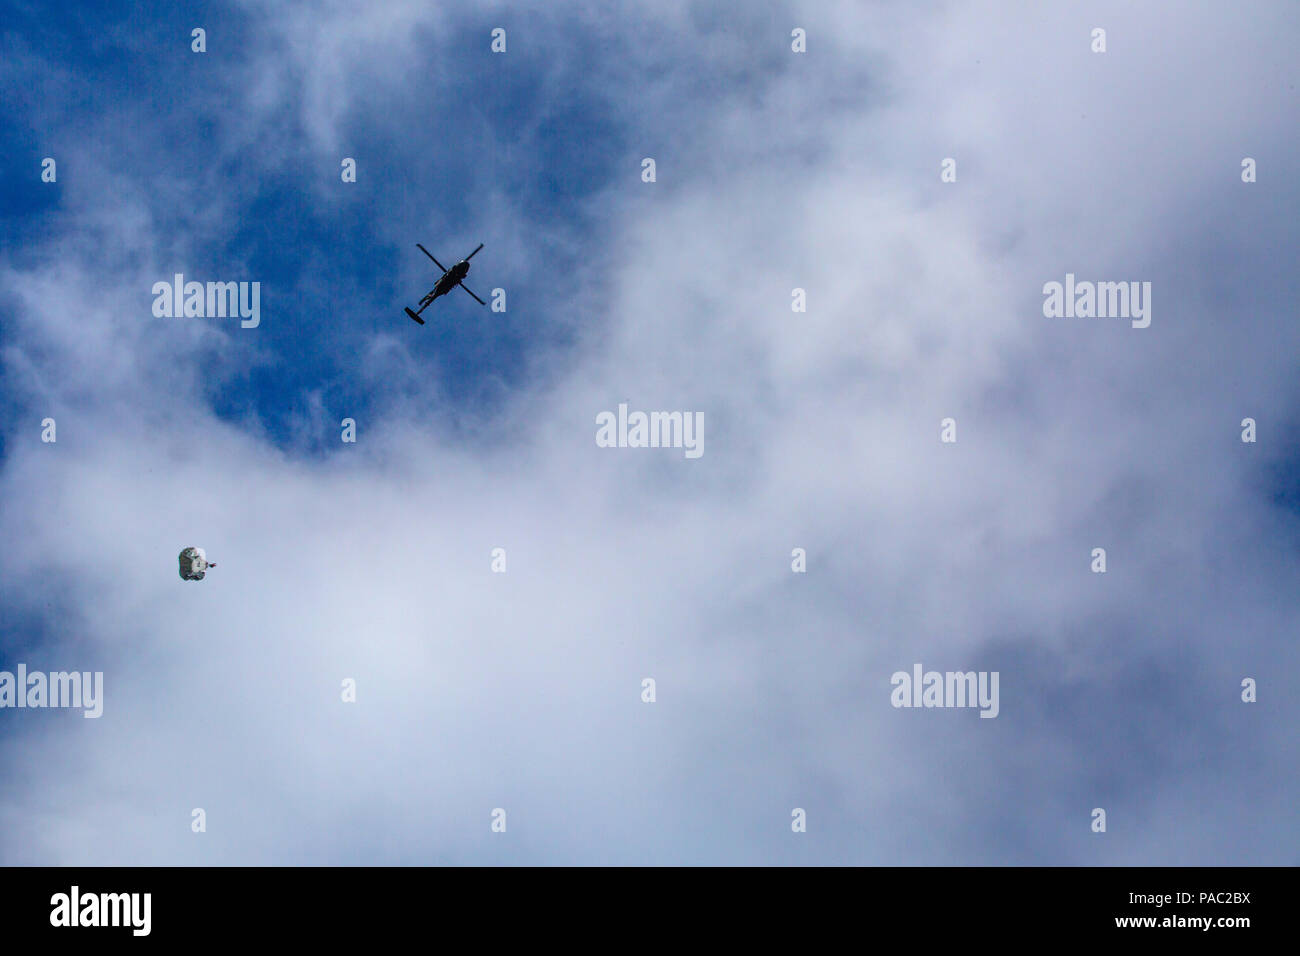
(450,278)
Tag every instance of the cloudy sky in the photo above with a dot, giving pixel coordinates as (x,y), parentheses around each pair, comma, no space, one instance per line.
(522,690)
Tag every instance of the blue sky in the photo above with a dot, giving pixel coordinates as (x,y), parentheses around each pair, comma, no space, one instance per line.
(432,155)
(776,170)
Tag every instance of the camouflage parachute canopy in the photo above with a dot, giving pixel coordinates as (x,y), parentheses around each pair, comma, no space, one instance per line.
(194,564)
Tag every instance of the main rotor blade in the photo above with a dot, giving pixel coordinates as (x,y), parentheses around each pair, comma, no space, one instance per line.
(430,255)
(471,255)
(466,288)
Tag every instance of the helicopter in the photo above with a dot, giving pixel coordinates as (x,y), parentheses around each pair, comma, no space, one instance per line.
(449,280)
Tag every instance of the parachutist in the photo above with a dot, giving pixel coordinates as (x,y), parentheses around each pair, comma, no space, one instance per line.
(194,564)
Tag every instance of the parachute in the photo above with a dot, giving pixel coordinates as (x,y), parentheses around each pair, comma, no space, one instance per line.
(194,564)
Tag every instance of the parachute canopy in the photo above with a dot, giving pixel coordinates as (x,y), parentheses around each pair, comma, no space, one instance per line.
(194,564)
